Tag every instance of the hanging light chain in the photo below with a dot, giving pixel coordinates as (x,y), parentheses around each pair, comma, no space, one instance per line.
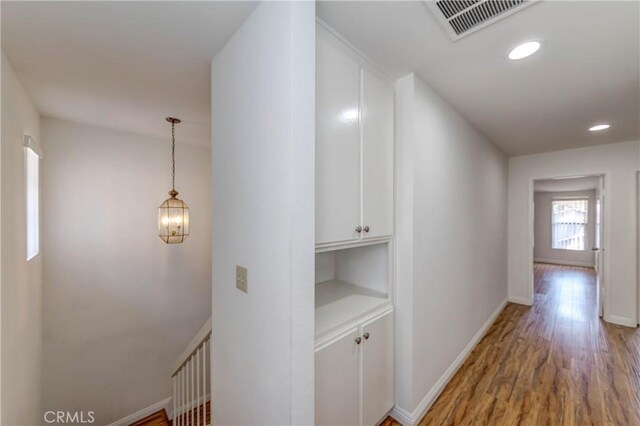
(173,156)
(173,122)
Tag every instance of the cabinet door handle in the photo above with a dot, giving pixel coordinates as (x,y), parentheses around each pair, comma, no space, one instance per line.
(366,228)
(359,229)
(366,336)
(358,340)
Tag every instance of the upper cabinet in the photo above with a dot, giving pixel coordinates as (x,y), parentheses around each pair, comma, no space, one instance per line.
(377,155)
(354,146)
(337,143)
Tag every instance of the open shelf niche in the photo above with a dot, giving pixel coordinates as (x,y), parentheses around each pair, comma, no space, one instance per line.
(349,283)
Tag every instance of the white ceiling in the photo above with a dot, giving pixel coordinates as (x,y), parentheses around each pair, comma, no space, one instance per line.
(124,65)
(587,71)
(562,185)
(128,65)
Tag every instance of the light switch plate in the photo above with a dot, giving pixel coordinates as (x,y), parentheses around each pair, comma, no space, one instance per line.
(241,278)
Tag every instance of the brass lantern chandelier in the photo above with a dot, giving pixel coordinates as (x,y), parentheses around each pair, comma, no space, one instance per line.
(173,214)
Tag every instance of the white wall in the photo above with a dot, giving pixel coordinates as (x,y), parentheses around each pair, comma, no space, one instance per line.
(451,188)
(620,163)
(21,294)
(263,86)
(542,251)
(120,305)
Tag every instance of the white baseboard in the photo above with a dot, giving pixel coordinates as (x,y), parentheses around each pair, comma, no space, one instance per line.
(615,319)
(402,416)
(131,418)
(520,300)
(564,262)
(411,419)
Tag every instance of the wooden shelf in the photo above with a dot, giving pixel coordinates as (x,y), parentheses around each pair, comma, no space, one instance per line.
(338,302)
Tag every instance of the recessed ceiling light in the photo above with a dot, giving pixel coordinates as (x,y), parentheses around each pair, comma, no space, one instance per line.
(524,49)
(597,127)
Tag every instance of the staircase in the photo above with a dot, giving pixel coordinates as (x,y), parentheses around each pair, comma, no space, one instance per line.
(192,381)
(199,416)
(158,418)
(191,377)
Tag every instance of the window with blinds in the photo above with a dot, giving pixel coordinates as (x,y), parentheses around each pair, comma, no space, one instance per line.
(569,224)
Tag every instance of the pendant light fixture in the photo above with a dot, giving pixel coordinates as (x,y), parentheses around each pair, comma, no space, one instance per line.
(173,214)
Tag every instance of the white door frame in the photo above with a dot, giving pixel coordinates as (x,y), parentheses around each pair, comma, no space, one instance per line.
(638,242)
(601,199)
(604,244)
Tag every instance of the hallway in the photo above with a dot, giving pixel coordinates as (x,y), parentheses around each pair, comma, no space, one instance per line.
(554,363)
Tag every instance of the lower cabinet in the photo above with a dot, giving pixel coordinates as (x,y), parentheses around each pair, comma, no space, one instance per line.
(377,369)
(354,375)
(337,382)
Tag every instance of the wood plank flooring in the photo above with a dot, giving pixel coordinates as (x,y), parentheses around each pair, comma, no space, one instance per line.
(555,363)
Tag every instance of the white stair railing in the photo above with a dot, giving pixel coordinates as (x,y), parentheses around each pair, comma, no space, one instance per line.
(192,381)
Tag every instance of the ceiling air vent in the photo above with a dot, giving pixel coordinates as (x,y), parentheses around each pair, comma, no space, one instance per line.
(462,17)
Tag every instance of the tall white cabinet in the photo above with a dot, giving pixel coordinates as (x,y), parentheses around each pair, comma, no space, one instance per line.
(354,146)
(354,236)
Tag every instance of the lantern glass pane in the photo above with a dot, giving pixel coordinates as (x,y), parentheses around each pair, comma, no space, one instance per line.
(173,221)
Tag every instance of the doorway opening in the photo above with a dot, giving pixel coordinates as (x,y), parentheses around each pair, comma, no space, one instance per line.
(568,243)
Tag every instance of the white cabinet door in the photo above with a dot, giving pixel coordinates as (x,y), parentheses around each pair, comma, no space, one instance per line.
(377,153)
(337,384)
(337,142)
(377,369)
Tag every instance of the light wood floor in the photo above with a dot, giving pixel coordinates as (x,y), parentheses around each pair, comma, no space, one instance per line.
(555,363)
